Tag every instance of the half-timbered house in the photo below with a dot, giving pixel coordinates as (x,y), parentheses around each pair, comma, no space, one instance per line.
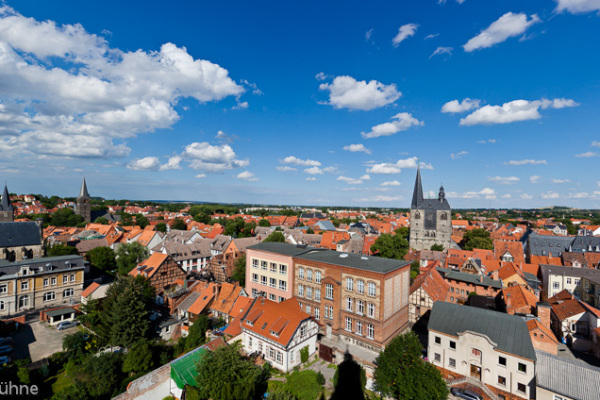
(160,269)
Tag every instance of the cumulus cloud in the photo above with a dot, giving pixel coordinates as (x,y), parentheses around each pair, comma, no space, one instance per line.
(404,33)
(297,161)
(558,181)
(391,183)
(211,158)
(357,148)
(350,181)
(311,178)
(454,156)
(173,163)
(535,179)
(442,50)
(526,196)
(314,171)
(431,36)
(504,180)
(403,121)
(513,111)
(455,106)
(526,162)
(347,92)
(508,25)
(550,195)
(144,164)
(321,76)
(577,6)
(285,168)
(201,176)
(67,93)
(396,168)
(486,193)
(587,154)
(247,176)
(240,106)
(506,196)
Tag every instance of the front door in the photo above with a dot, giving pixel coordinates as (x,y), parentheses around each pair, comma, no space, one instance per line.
(476,372)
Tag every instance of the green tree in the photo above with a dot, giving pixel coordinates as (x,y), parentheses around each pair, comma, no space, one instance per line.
(102,374)
(141,221)
(437,247)
(401,373)
(62,250)
(247,230)
(310,231)
(102,220)
(129,255)
(179,224)
(415,270)
(225,375)
(102,257)
(264,222)
(477,239)
(75,345)
(197,335)
(138,359)
(66,217)
(161,227)
(239,272)
(202,218)
(275,237)
(390,246)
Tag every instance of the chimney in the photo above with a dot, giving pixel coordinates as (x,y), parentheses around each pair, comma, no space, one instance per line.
(495,275)
(216,290)
(543,313)
(508,301)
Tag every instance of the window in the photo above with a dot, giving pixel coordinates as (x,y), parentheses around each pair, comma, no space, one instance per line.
(318,276)
(49,296)
(301,290)
(317,312)
(273,282)
(282,269)
(348,324)
(3,289)
(371,310)
(279,357)
(24,302)
(68,292)
(309,274)
(577,282)
(272,297)
(437,357)
(521,387)
(370,331)
(349,284)
(568,281)
(273,268)
(502,361)
(475,352)
(25,285)
(1,305)
(255,278)
(309,292)
(318,294)
(308,309)
(260,346)
(281,299)
(263,280)
(451,299)
(452,362)
(556,285)
(438,340)
(453,345)
(254,292)
(522,367)
(371,289)
(53,281)
(263,265)
(72,277)
(329,291)
(282,285)
(451,290)
(271,353)
(348,304)
(46,281)
(300,273)
(254,263)
(250,341)
(360,307)
(501,380)
(462,291)
(65,278)
(329,312)
(360,286)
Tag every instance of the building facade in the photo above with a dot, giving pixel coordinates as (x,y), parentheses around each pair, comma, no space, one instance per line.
(430,219)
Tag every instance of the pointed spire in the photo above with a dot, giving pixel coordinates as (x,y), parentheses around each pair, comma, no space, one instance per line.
(83,192)
(417,199)
(5,205)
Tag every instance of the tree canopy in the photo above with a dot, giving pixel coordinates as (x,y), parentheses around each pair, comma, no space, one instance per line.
(179,224)
(62,250)
(129,255)
(401,373)
(477,239)
(275,237)
(392,246)
(139,358)
(264,222)
(66,217)
(437,247)
(239,272)
(102,257)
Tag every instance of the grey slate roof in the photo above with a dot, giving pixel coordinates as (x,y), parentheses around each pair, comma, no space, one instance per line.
(586,243)
(543,245)
(476,279)
(509,332)
(366,263)
(83,193)
(417,192)
(39,265)
(19,234)
(547,270)
(325,225)
(60,311)
(573,379)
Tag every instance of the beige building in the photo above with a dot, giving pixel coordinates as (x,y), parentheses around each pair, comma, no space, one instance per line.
(41,283)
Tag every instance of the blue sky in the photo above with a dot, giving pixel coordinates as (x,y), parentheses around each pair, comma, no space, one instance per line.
(318,103)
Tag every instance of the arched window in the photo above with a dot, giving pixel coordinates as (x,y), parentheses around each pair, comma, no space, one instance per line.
(444,217)
(24,301)
(417,215)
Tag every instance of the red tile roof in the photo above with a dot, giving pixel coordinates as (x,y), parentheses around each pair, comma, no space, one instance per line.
(151,264)
(90,289)
(514,248)
(567,308)
(516,297)
(433,284)
(533,324)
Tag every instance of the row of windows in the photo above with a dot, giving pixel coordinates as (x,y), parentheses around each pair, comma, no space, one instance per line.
(309,275)
(308,293)
(47,282)
(316,311)
(360,286)
(272,282)
(272,296)
(271,353)
(49,296)
(358,328)
(271,267)
(360,307)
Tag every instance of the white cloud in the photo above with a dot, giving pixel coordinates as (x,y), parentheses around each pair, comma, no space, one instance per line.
(487,141)
(508,25)
(173,163)
(285,168)
(558,181)
(455,106)
(144,164)
(347,92)
(454,156)
(321,76)
(431,36)
(389,168)
(404,33)
(240,106)
(403,121)
(577,6)
(442,50)
(297,161)
(580,195)
(391,183)
(596,143)
(504,180)
(356,148)
(381,198)
(247,176)
(210,158)
(311,178)
(506,196)
(550,195)
(67,93)
(526,162)
(513,111)
(486,193)
(587,154)
(314,171)
(330,170)
(526,196)
(368,34)
(350,181)
(535,179)
(366,177)
(201,176)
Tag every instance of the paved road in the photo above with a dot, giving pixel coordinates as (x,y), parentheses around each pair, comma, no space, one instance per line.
(38,340)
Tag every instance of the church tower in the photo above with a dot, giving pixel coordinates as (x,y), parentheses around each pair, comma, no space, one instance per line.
(6,208)
(430,219)
(84,206)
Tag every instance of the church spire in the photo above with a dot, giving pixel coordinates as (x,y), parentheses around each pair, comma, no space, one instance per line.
(417,199)
(5,205)
(84,192)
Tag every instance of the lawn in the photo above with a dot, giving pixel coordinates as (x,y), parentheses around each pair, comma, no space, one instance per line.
(61,382)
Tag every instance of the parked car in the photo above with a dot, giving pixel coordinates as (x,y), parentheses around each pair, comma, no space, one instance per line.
(66,324)
(6,340)
(4,360)
(6,349)
(466,394)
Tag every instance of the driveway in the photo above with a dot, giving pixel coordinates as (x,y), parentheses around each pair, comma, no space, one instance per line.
(38,340)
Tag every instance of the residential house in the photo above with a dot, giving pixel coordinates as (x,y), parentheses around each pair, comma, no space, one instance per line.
(573,321)
(557,278)
(541,336)
(590,292)
(426,289)
(160,269)
(509,251)
(518,299)
(546,245)
(95,291)
(193,256)
(462,283)
(226,296)
(488,347)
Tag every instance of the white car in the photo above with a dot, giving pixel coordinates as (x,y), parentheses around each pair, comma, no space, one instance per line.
(66,324)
